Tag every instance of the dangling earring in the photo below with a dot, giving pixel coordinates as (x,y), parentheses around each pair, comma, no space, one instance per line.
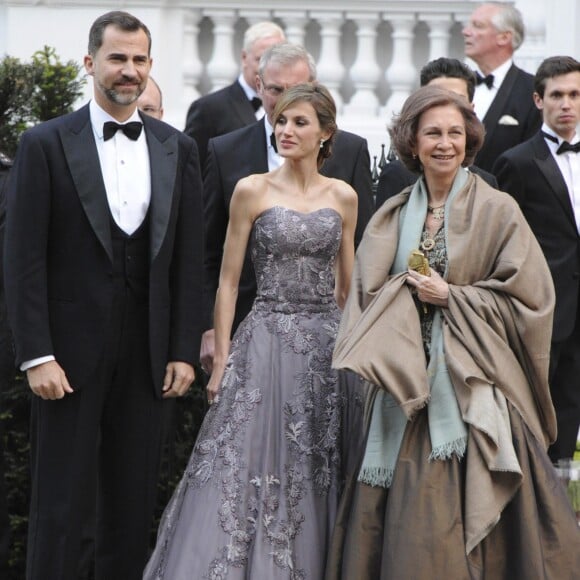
(414,156)
(321,143)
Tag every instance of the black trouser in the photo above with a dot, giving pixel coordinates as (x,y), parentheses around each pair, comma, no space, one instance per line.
(565,391)
(113,424)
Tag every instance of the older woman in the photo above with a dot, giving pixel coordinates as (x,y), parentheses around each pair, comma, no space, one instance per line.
(450,315)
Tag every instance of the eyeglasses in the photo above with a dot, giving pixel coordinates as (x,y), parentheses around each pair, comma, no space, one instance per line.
(272,90)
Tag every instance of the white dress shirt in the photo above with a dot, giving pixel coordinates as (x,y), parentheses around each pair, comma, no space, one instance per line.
(251,93)
(569,164)
(125,169)
(484,96)
(274,160)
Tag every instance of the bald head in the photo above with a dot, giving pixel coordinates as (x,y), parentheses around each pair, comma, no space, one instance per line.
(151,100)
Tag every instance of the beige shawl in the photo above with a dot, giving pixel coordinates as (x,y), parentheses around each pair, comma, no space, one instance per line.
(496,333)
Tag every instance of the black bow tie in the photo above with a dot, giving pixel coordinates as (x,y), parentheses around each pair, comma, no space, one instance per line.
(564,146)
(132,130)
(487,80)
(273,142)
(256,103)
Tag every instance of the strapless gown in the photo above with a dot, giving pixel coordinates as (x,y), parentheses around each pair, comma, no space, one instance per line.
(260,493)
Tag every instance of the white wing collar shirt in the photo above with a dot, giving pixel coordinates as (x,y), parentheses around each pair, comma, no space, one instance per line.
(569,165)
(125,169)
(485,95)
(274,160)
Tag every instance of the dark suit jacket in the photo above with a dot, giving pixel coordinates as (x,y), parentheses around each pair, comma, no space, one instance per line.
(217,114)
(395,177)
(514,98)
(244,152)
(59,250)
(531,175)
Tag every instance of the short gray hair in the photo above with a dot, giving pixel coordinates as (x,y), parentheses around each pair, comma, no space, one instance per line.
(509,19)
(261,30)
(286,54)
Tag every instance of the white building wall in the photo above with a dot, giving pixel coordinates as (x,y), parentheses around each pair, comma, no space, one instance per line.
(375,38)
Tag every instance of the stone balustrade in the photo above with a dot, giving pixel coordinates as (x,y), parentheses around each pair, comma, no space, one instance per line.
(368,52)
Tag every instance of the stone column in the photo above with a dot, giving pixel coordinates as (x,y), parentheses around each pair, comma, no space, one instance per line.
(222,68)
(192,66)
(401,74)
(330,68)
(365,71)
(439,27)
(295,22)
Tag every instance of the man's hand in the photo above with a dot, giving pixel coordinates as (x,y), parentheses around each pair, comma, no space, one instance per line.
(178,379)
(48,381)
(207,350)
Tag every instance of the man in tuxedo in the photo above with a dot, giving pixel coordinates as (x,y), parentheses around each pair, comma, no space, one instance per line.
(503,96)
(238,104)
(150,101)
(449,74)
(104,246)
(251,150)
(543,175)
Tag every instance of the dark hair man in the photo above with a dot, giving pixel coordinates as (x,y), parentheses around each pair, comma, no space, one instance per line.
(104,241)
(543,175)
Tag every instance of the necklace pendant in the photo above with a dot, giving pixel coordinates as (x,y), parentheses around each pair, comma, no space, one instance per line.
(438,213)
(427,244)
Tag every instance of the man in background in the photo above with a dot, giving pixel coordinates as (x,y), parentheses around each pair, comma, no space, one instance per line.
(252,150)
(151,100)
(543,175)
(445,73)
(238,104)
(503,97)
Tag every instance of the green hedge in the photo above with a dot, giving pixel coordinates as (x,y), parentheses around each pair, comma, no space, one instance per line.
(14,415)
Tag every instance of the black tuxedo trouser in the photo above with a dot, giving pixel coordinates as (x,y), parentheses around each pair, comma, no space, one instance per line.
(110,427)
(565,391)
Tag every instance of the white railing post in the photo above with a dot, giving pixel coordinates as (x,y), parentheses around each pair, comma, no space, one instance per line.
(295,22)
(401,74)
(222,68)
(439,27)
(192,67)
(365,71)
(329,66)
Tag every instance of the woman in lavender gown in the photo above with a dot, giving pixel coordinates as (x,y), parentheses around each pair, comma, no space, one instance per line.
(260,493)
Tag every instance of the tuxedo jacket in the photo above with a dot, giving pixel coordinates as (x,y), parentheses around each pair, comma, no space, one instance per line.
(395,177)
(511,119)
(59,253)
(217,114)
(244,152)
(531,175)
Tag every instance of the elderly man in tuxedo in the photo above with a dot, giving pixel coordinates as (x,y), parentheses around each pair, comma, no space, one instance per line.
(503,96)
(103,249)
(543,175)
(238,104)
(252,150)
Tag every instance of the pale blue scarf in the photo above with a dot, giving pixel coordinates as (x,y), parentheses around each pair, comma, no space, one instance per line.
(388,422)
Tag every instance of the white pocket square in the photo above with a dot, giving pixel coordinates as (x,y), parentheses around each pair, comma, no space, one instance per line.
(507,120)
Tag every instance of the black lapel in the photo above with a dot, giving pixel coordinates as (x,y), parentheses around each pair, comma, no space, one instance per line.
(550,170)
(503,94)
(80,150)
(163,155)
